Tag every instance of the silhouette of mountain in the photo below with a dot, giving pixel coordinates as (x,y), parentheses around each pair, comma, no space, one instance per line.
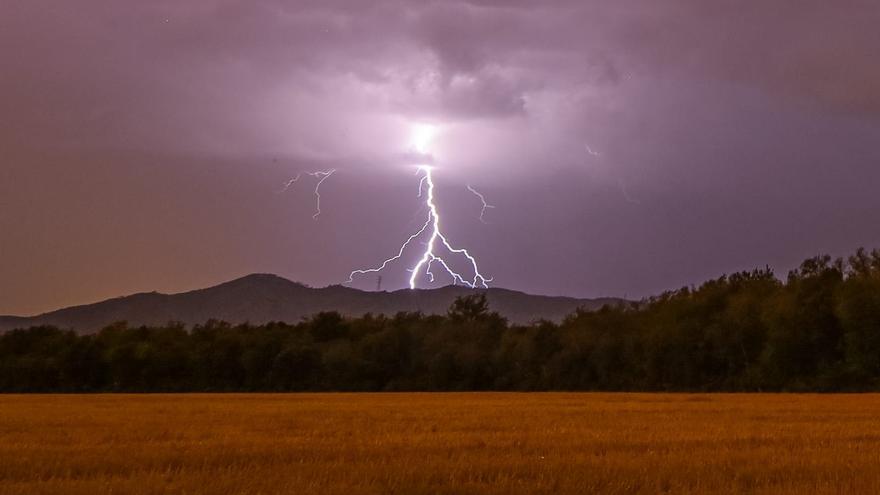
(260,298)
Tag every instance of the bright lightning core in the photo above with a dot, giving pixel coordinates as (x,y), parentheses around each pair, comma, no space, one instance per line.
(421,136)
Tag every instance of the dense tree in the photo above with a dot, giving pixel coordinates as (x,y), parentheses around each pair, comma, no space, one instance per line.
(819,329)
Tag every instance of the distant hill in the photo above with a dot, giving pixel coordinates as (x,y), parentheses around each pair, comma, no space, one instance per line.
(261,298)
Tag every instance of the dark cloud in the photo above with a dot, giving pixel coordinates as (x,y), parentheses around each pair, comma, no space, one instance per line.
(82,66)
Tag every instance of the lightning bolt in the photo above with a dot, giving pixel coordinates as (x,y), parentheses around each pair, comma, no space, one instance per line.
(290,183)
(321,175)
(626,195)
(430,255)
(482,200)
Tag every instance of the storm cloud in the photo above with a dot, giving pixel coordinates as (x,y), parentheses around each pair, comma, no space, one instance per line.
(629,146)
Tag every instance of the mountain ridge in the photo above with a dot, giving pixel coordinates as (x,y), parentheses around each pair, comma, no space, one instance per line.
(262,297)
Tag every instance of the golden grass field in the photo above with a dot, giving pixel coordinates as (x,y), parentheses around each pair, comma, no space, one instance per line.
(439,443)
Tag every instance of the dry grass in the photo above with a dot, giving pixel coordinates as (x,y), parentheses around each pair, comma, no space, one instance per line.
(440,443)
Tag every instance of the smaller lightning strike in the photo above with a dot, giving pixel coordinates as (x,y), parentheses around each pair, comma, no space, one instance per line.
(482,200)
(591,151)
(625,192)
(290,183)
(321,175)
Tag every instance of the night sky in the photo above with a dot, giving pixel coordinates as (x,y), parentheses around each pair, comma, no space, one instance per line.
(628,147)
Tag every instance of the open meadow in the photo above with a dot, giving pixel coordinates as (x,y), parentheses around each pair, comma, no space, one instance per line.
(439,443)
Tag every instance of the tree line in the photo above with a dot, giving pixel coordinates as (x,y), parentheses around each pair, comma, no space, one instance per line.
(816,330)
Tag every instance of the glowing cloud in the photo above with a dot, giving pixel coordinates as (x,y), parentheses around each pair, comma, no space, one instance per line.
(421,136)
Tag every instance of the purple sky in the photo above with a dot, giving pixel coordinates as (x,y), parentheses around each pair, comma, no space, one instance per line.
(144,143)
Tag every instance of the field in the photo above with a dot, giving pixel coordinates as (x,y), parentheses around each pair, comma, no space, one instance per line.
(439,443)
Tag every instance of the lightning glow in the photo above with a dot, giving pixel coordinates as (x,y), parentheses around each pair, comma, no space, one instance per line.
(436,240)
(421,136)
(482,200)
(321,175)
(591,150)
